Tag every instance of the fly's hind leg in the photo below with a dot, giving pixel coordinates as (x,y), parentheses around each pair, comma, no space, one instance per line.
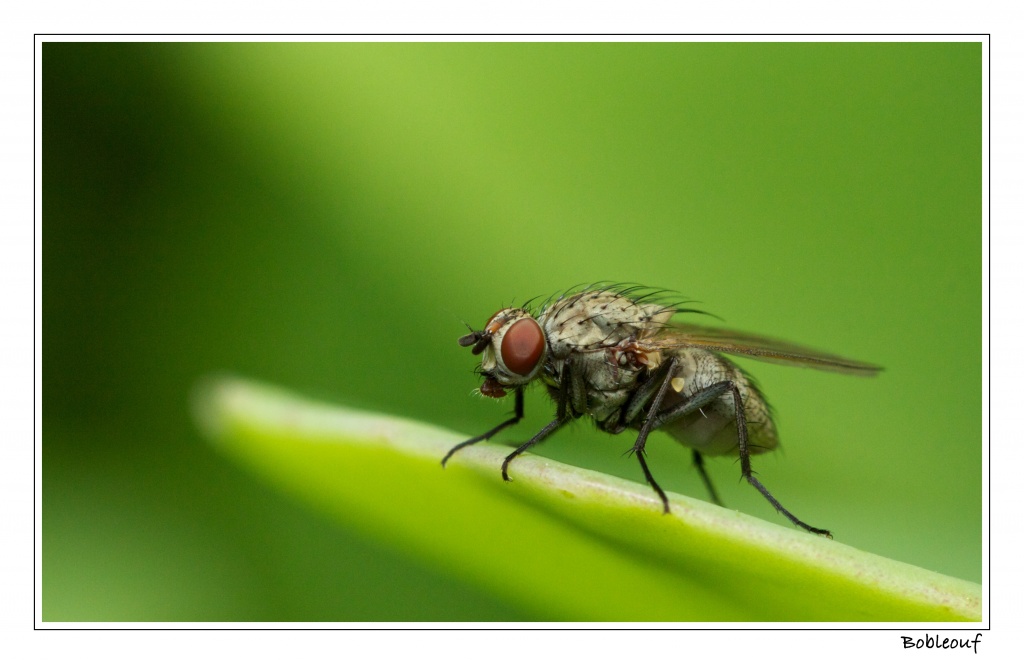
(706,396)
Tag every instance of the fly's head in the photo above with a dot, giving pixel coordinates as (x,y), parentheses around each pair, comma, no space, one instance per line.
(513,348)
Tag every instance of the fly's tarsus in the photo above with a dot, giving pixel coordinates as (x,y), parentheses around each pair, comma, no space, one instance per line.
(741,428)
(553,426)
(698,462)
(640,454)
(485,436)
(658,419)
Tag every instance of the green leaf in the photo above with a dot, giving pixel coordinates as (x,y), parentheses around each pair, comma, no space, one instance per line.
(564,543)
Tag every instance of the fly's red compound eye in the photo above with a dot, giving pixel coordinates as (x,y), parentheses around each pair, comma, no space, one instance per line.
(522,346)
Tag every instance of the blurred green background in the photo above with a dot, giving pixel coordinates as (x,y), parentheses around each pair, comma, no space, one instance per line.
(325,216)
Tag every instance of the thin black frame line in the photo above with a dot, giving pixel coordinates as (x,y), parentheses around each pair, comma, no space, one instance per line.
(517,34)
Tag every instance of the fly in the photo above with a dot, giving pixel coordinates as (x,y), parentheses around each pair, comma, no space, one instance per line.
(614,355)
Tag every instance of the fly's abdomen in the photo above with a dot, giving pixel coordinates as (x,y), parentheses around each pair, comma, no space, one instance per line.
(712,429)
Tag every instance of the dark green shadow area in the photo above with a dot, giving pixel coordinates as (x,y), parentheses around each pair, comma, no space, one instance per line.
(164,259)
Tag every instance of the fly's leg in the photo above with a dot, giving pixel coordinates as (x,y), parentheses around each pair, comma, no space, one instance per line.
(698,461)
(706,396)
(567,396)
(541,435)
(664,376)
(574,387)
(507,423)
(645,392)
(641,398)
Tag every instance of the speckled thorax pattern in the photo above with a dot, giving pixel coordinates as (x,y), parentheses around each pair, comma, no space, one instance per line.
(612,337)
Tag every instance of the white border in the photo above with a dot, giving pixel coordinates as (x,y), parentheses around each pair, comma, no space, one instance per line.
(779,633)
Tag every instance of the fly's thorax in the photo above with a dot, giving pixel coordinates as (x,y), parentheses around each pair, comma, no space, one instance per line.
(608,386)
(515,353)
(598,319)
(610,375)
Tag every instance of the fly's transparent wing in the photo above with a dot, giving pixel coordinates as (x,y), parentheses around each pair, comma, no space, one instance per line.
(683,335)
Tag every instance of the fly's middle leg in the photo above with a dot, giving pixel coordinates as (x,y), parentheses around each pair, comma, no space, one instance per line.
(661,380)
(642,397)
(698,462)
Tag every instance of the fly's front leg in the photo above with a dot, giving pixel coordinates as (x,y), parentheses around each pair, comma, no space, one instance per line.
(706,396)
(573,388)
(568,397)
(507,423)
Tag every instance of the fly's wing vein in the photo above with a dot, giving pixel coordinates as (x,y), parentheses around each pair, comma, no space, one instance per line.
(683,335)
